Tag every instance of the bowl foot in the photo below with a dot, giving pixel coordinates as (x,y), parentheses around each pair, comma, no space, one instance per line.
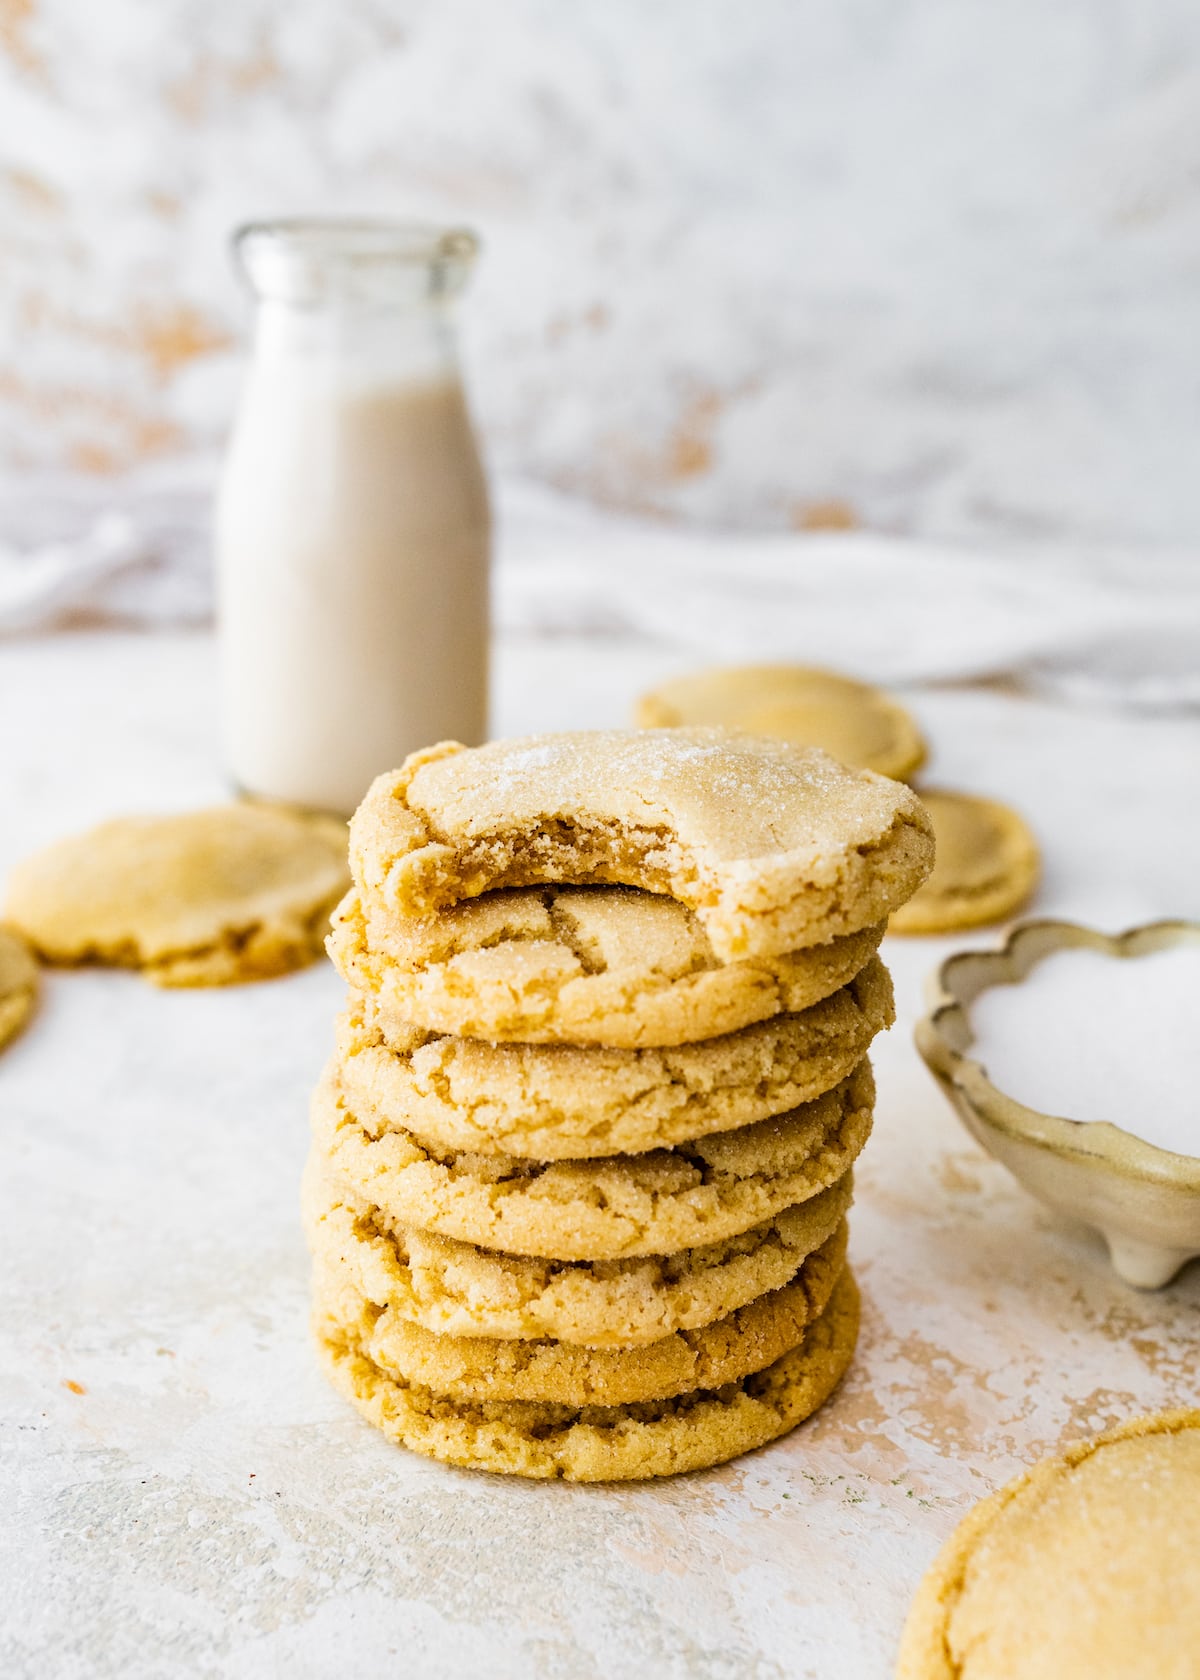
(1145,1265)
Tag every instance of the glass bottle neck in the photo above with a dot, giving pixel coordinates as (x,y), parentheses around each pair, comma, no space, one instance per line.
(415,343)
(375,297)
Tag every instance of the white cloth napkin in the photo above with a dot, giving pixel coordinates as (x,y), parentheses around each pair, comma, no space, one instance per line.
(1094,623)
(895,610)
(74,551)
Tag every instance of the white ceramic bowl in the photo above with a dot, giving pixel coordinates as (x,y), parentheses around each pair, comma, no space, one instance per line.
(1145,1201)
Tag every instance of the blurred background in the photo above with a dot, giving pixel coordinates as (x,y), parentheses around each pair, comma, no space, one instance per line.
(911,265)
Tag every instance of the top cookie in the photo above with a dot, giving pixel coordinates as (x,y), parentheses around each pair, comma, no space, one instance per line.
(1087,1565)
(853,721)
(773,846)
(204,898)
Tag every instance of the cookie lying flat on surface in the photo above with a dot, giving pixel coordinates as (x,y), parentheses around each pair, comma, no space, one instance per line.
(560,1102)
(206,898)
(656,1203)
(858,724)
(773,846)
(562,1374)
(601,1443)
(18,984)
(1088,1565)
(987,866)
(576,965)
(457,1289)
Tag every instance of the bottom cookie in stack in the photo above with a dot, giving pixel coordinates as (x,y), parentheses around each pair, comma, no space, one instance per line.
(585,1441)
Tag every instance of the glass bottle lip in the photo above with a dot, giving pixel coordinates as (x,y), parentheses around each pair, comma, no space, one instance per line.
(318,259)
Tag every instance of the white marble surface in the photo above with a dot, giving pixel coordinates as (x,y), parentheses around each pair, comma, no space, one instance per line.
(183,1495)
(932,264)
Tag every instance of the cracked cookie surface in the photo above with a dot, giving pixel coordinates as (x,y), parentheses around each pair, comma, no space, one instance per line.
(458,1289)
(1089,1564)
(576,965)
(609,1208)
(772,845)
(205,898)
(567,1102)
(558,1373)
(601,1443)
(858,724)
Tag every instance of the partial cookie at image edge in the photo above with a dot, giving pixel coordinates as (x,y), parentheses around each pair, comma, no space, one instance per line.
(200,898)
(18,984)
(1090,1574)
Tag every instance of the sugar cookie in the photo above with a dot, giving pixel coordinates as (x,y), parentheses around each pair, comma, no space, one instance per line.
(206,898)
(458,1289)
(773,846)
(987,866)
(601,1443)
(18,984)
(624,1205)
(479,1368)
(851,720)
(560,1102)
(1089,1564)
(577,965)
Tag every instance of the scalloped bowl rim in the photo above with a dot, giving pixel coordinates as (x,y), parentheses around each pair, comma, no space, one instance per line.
(960,979)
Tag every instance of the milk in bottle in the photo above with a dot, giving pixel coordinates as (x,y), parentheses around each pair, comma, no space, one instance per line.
(352,530)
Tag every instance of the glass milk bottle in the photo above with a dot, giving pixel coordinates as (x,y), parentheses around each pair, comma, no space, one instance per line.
(352,530)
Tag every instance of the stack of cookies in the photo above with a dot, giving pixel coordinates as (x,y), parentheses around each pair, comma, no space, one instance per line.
(582,1159)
